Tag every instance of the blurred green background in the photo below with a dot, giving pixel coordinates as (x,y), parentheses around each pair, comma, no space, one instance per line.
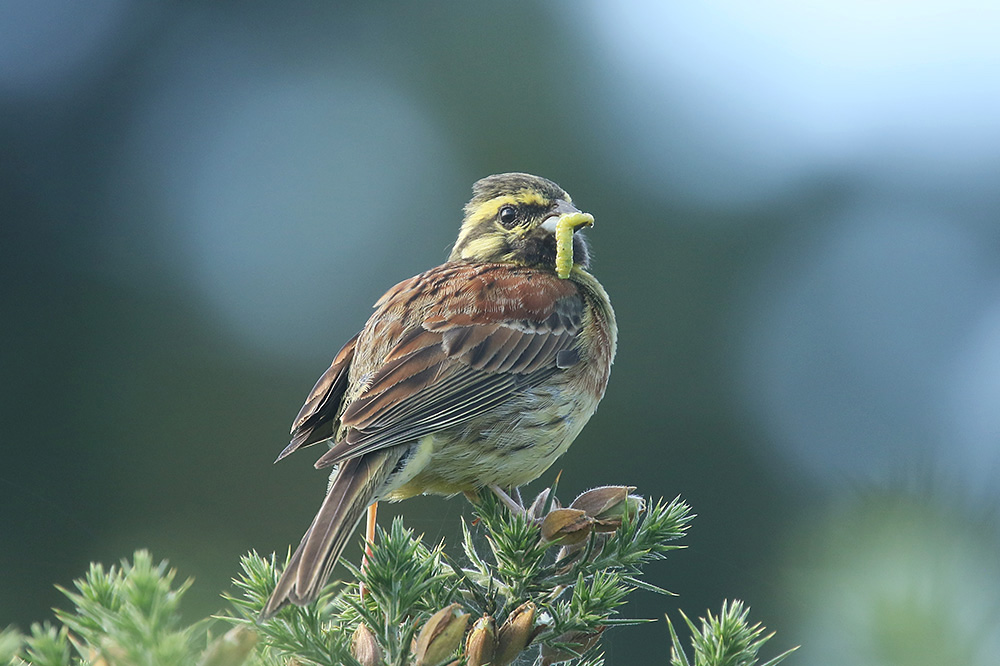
(797,220)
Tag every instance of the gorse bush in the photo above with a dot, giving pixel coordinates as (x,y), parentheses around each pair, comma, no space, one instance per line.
(540,586)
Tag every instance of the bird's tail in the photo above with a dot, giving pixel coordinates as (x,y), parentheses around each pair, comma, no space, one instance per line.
(353,489)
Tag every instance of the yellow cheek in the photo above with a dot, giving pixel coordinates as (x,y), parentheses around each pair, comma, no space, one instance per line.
(484,248)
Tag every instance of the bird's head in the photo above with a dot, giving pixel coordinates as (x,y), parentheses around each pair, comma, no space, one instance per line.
(517,218)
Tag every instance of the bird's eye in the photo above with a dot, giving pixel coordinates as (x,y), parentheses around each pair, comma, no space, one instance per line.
(508,216)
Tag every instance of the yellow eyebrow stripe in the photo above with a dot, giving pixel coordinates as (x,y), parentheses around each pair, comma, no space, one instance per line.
(522,198)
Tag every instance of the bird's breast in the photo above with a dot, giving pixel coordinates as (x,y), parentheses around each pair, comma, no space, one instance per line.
(511,446)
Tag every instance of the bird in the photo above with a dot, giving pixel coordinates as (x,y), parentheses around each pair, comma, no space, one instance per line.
(476,374)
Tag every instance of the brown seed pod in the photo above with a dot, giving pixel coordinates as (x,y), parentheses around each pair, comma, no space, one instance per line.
(481,643)
(365,647)
(440,636)
(567,526)
(515,634)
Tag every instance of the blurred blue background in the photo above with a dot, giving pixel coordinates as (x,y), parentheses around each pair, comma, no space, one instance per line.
(797,220)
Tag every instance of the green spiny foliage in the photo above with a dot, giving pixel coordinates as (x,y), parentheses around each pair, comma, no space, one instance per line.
(545,583)
(48,646)
(726,639)
(310,634)
(572,582)
(127,614)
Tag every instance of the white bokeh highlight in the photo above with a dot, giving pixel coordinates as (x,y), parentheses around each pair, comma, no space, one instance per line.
(727,103)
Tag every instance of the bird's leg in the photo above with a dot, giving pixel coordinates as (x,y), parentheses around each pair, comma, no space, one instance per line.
(369,540)
(513,505)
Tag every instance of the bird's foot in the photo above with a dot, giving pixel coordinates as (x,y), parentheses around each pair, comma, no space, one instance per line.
(514,505)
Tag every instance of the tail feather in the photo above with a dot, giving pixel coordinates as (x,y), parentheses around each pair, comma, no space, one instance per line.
(353,489)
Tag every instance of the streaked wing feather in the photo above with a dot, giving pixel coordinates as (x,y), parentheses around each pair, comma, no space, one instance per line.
(461,340)
(529,358)
(460,380)
(490,354)
(397,381)
(467,354)
(317,419)
(451,410)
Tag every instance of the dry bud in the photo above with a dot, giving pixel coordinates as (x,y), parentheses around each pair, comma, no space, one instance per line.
(578,641)
(481,644)
(515,633)
(603,502)
(440,637)
(568,526)
(365,647)
(608,505)
(535,511)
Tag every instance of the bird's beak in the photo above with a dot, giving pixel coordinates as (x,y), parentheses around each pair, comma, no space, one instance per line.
(568,216)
